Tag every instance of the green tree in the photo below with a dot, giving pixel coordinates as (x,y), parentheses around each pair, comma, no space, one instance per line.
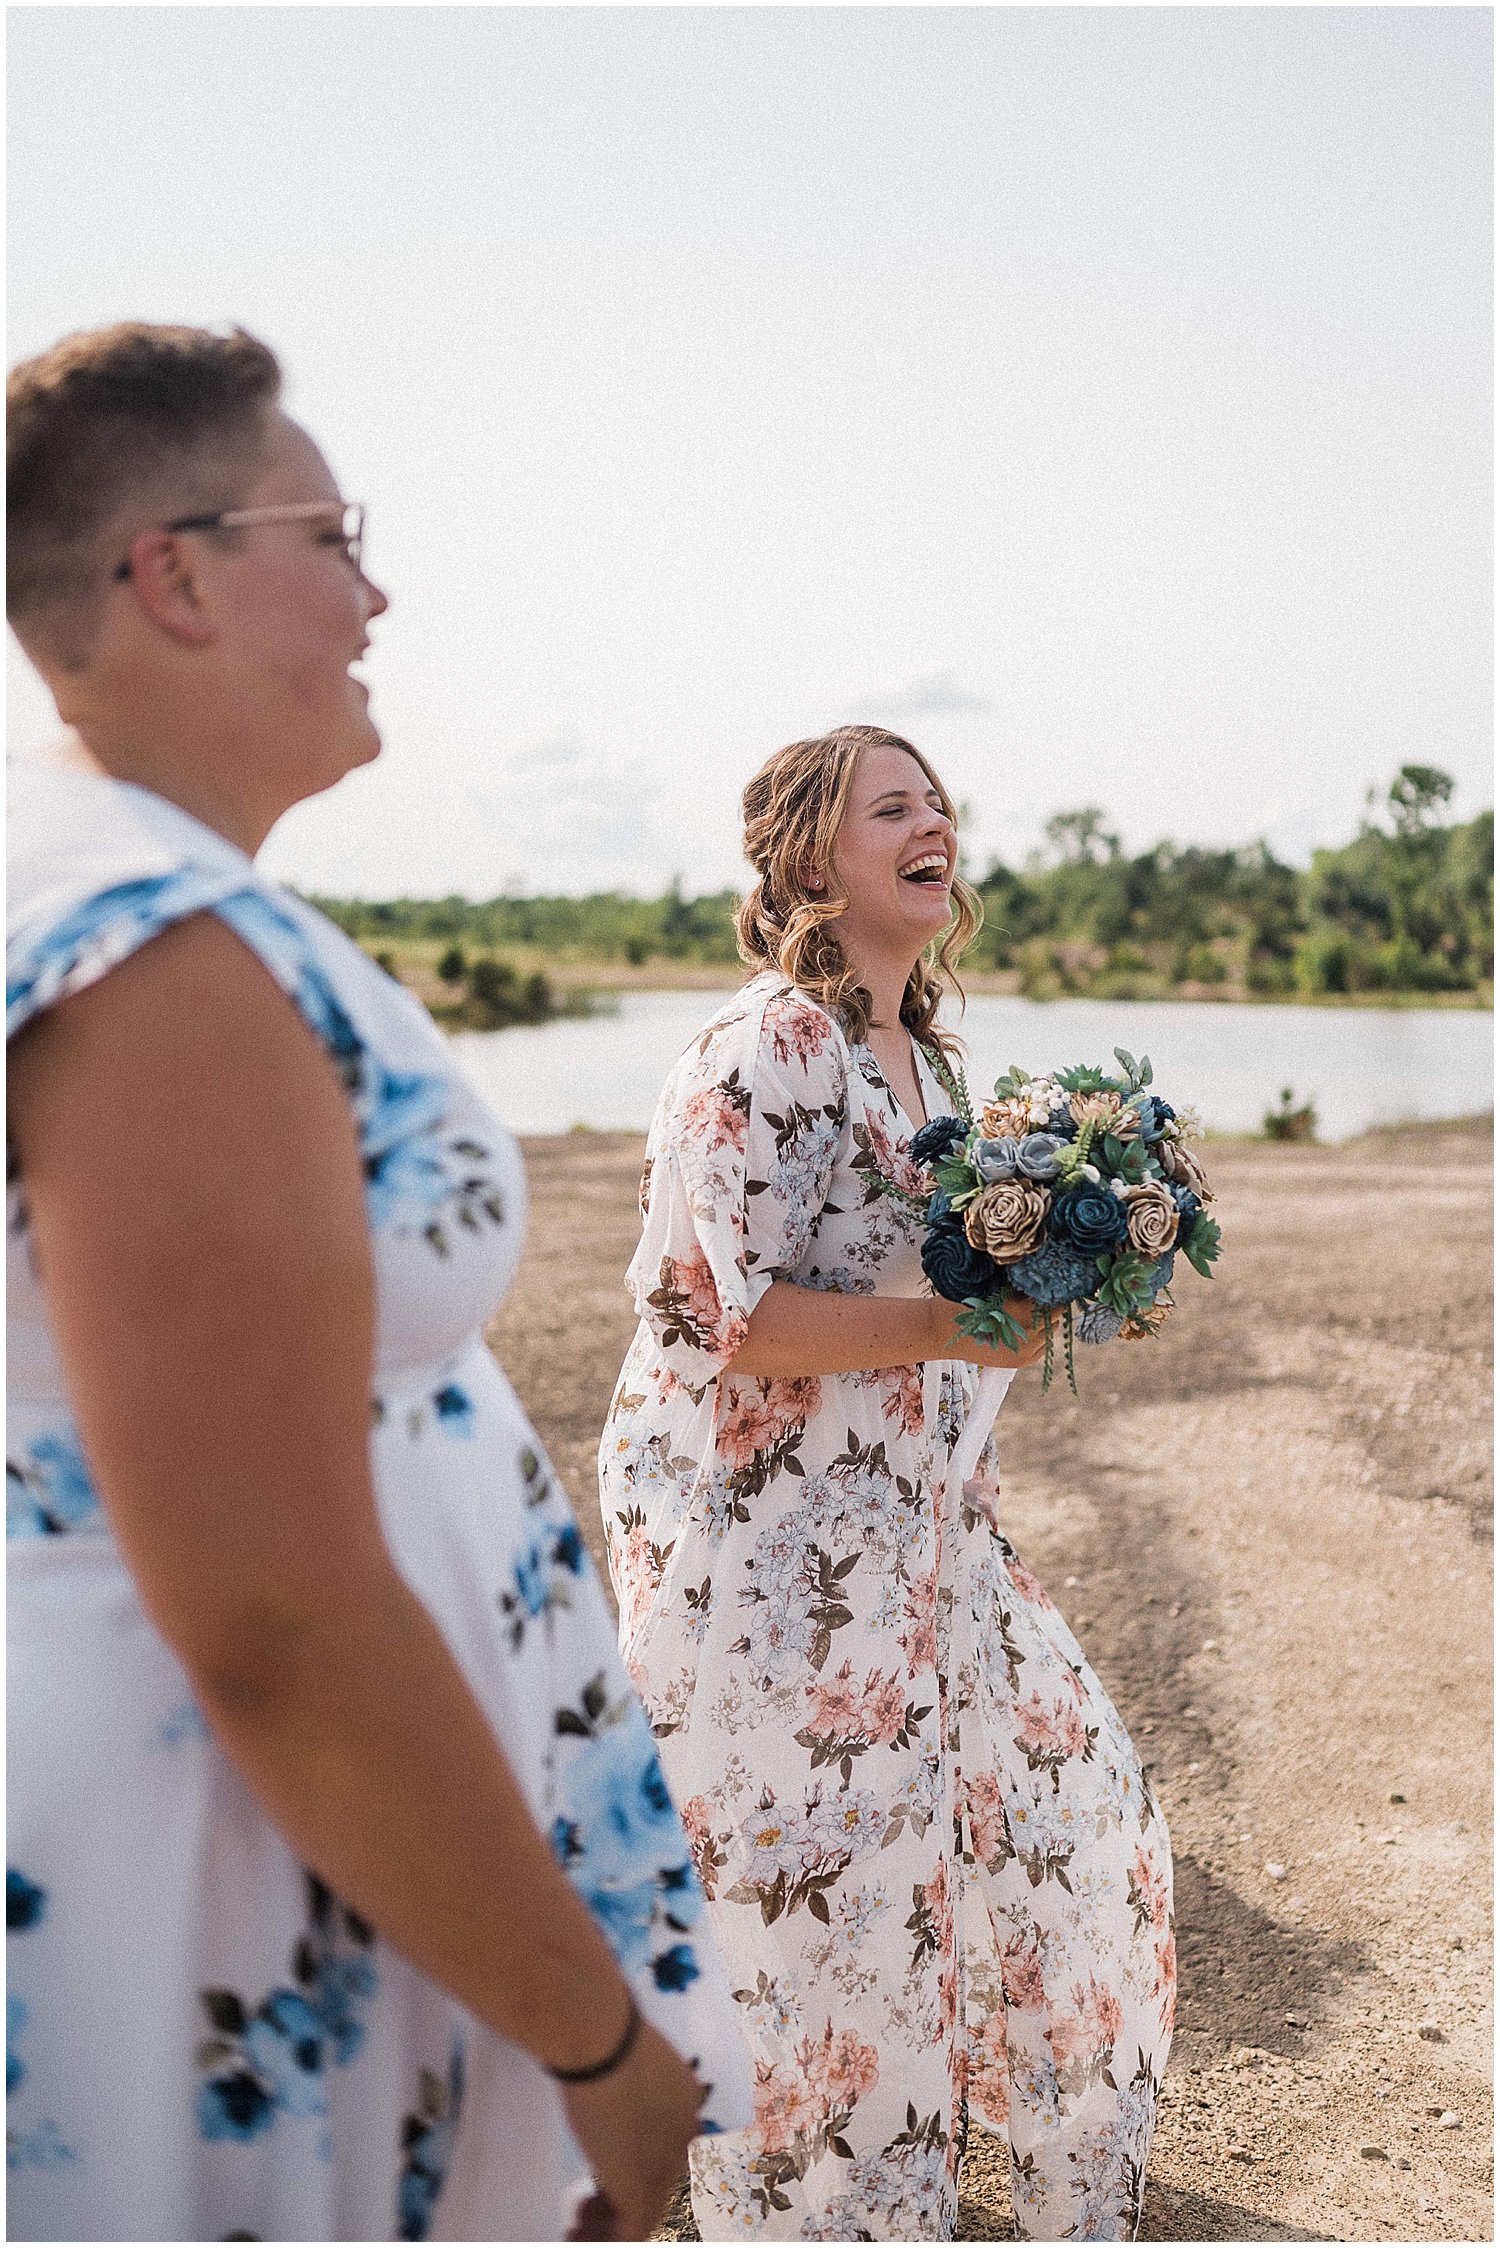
(1415,795)
(1081,838)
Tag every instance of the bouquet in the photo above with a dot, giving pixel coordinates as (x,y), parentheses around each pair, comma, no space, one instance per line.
(1078,1191)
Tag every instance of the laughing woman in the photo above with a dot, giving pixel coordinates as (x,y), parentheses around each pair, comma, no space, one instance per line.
(346,1899)
(934,1864)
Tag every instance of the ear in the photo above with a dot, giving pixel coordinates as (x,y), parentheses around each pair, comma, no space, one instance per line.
(164,581)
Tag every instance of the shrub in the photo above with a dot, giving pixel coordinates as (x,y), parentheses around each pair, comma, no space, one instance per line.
(1289,1119)
(499,998)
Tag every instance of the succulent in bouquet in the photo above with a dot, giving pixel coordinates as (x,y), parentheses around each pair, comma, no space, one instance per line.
(1077,1190)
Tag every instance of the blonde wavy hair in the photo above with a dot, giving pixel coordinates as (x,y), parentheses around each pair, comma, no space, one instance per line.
(793,810)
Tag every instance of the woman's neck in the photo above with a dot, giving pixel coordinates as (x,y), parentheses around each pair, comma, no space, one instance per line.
(147,761)
(885,977)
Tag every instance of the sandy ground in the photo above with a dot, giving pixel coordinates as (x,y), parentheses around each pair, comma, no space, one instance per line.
(1271,1531)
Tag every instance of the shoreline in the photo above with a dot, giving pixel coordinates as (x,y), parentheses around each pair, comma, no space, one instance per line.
(1006,984)
(573,978)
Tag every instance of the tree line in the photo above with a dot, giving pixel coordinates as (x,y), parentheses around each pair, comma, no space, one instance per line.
(1406,907)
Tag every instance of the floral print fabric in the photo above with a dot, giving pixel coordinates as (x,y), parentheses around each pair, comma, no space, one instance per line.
(932,1859)
(204,2042)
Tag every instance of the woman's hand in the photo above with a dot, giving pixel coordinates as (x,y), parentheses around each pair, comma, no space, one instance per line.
(635,2126)
(952,1342)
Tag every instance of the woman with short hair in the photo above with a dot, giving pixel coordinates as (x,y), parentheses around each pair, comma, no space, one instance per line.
(346,1899)
(933,1860)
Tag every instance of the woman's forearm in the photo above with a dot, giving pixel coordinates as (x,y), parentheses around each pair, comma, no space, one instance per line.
(363,1742)
(816,1331)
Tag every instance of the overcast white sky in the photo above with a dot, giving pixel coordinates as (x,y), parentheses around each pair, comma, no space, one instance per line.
(1101,396)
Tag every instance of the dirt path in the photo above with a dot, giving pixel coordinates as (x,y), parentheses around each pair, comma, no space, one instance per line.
(1271,1531)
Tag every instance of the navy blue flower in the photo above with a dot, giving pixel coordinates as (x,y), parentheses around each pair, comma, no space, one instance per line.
(955,1267)
(654,1790)
(16,2018)
(1063,1123)
(1188,1203)
(1162,1276)
(25,1901)
(455,1407)
(675,1969)
(939,1206)
(1154,1115)
(682,1895)
(567,1549)
(233,2107)
(1056,1273)
(1089,1218)
(567,1846)
(935,1139)
(416,2198)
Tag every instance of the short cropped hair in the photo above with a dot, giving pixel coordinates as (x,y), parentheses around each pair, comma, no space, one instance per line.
(114,424)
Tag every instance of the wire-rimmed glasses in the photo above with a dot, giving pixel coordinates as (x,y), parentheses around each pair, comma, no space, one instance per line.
(350,514)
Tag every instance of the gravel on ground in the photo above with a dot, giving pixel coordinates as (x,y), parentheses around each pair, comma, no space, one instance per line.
(1271,1531)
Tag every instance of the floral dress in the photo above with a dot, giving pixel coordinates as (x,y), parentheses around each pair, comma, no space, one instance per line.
(204,2042)
(934,1865)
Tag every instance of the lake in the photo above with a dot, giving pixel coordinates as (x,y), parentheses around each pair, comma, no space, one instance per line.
(1360,1066)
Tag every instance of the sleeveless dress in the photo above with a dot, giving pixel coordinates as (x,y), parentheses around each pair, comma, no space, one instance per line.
(934,1864)
(203,2042)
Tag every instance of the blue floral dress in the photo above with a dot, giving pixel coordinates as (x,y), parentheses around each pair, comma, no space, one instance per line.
(204,2042)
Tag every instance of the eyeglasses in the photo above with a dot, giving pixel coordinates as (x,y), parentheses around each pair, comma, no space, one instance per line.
(349,514)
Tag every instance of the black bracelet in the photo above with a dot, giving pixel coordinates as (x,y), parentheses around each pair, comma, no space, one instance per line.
(611,2061)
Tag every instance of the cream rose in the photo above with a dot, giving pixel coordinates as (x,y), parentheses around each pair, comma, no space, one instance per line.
(1007,1220)
(1151,1218)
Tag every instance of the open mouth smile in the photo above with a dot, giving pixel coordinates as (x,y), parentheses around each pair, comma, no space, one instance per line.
(931,868)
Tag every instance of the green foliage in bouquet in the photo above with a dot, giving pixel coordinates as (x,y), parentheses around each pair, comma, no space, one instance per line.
(954,1177)
(1125,1283)
(988,1323)
(1201,1248)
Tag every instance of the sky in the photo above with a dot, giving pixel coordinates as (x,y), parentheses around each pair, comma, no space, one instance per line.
(1099,396)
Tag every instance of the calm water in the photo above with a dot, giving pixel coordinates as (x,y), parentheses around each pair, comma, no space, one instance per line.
(1361,1066)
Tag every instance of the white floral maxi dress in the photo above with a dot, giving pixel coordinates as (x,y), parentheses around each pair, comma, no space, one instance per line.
(934,1865)
(203,2042)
